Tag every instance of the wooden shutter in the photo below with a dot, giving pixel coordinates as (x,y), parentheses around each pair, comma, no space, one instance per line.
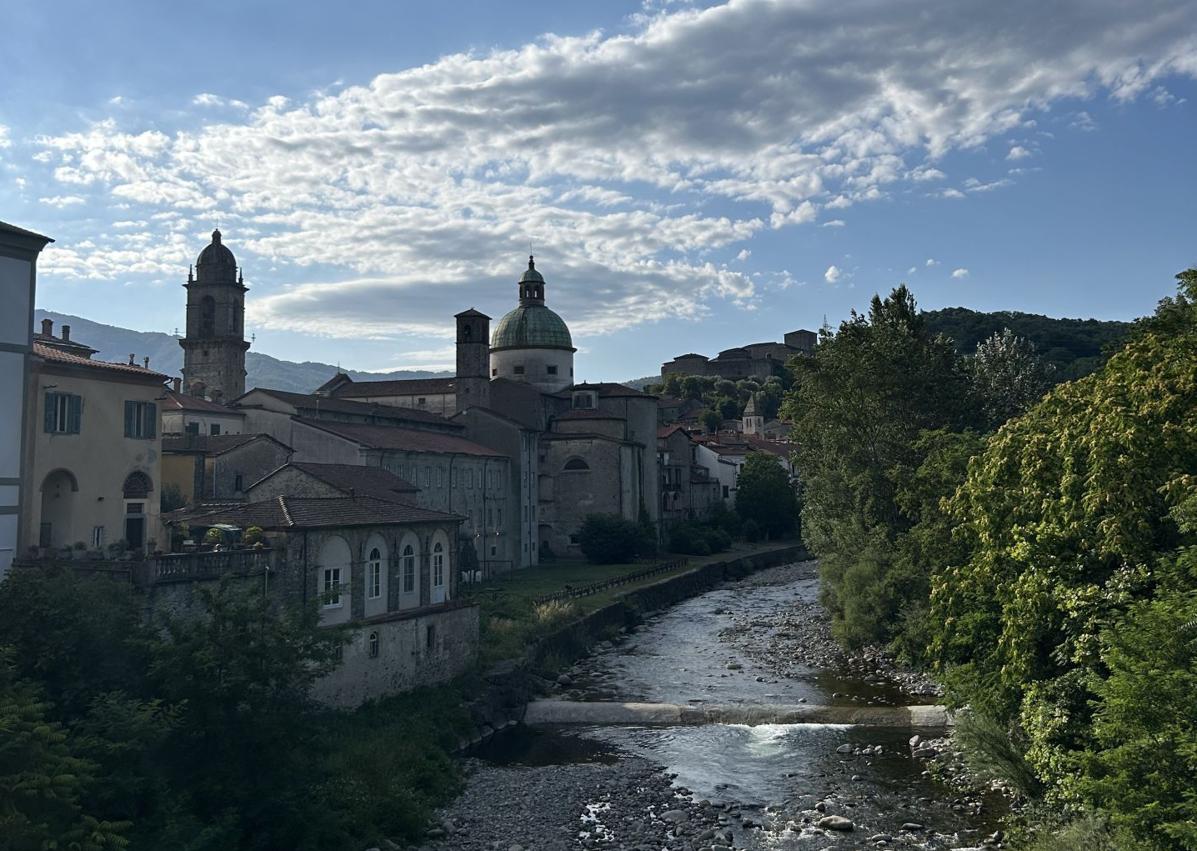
(149,416)
(74,413)
(50,406)
(130,419)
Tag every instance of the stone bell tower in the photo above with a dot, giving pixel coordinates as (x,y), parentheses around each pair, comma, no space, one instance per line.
(472,386)
(214,347)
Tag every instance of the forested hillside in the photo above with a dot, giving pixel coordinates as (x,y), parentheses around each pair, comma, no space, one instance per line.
(1073,346)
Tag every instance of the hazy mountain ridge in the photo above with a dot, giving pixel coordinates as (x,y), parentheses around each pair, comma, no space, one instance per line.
(116,344)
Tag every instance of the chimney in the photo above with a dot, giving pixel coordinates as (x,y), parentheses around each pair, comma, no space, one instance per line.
(132,358)
(146,361)
(66,333)
(48,327)
(178,385)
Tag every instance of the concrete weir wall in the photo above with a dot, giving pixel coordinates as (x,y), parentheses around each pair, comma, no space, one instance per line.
(511,685)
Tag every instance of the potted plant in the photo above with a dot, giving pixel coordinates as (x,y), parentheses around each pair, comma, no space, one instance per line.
(79,551)
(213,538)
(253,537)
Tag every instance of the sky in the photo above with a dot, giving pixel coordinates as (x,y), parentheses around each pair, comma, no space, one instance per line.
(690,176)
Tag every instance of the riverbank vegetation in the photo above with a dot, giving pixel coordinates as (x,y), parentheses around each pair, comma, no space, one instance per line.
(1036,552)
(198,733)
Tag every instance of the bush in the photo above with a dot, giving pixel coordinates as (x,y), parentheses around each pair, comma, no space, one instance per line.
(751,531)
(724,518)
(696,539)
(610,539)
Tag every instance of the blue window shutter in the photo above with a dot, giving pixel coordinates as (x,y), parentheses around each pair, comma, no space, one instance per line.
(74,413)
(130,414)
(50,406)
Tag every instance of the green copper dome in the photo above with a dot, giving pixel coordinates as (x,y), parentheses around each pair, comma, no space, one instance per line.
(531,326)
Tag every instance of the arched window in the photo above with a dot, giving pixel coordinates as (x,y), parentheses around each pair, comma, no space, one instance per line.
(207,316)
(438,572)
(374,574)
(137,486)
(372,643)
(575,464)
(332,577)
(409,569)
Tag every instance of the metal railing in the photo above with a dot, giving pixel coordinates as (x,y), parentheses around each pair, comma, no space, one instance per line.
(572,593)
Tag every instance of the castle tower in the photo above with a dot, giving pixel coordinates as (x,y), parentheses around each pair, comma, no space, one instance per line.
(214,347)
(473,359)
(531,343)
(753,422)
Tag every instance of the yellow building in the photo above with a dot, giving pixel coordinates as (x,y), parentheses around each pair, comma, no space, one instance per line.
(93,448)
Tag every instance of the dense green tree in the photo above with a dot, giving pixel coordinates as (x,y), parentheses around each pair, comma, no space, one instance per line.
(860,404)
(1071,511)
(711,420)
(765,494)
(1008,377)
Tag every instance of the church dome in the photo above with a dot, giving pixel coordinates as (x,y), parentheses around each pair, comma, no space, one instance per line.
(216,262)
(531,326)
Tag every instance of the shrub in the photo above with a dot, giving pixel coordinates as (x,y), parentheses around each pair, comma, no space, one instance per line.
(609,539)
(253,535)
(691,538)
(552,612)
(751,531)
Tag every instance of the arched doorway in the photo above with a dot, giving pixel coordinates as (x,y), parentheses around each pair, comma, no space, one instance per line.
(59,494)
(136,491)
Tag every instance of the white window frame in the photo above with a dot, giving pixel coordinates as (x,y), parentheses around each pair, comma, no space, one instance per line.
(409,570)
(374,574)
(332,577)
(438,565)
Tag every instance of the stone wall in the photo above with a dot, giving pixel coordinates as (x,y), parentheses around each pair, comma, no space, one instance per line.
(419,649)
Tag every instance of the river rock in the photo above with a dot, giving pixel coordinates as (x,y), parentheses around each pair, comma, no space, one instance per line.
(912,826)
(844,748)
(836,823)
(675,816)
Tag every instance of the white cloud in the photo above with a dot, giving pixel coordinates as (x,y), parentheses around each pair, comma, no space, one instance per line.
(931,261)
(743,255)
(951,193)
(1018,152)
(606,150)
(960,273)
(5,142)
(61,201)
(834,223)
(912,270)
(832,274)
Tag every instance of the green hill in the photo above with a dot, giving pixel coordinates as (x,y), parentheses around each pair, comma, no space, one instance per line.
(1075,347)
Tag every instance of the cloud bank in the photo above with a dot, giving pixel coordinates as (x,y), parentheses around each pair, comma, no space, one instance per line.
(628,161)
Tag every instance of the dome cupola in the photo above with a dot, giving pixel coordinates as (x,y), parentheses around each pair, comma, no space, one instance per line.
(531,343)
(216,264)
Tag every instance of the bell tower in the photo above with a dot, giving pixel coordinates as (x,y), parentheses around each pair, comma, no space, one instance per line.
(472,386)
(214,347)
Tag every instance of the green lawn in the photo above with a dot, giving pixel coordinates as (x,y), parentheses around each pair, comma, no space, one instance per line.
(510,621)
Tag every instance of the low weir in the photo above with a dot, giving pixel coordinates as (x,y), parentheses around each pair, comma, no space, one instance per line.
(602,713)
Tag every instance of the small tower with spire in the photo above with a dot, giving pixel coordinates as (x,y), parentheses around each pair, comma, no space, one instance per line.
(214,346)
(753,422)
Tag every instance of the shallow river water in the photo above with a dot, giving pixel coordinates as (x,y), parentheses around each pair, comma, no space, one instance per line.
(778,772)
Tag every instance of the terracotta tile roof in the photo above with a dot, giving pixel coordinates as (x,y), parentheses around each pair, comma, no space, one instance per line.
(212,444)
(183,402)
(287,512)
(354,479)
(52,355)
(666,431)
(311,402)
(397,387)
(405,439)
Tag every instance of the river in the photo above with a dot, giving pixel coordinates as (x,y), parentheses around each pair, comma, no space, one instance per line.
(767,785)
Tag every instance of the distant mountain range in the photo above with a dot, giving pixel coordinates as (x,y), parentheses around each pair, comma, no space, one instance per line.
(116,344)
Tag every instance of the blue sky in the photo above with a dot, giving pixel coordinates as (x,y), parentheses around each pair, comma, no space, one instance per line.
(690,176)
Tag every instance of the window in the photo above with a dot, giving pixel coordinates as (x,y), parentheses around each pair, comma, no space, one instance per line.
(63,413)
(238,483)
(97,537)
(430,637)
(494,551)
(207,317)
(552,369)
(725,493)
(332,587)
(490,517)
(214,429)
(141,419)
(409,570)
(422,401)
(438,566)
(493,373)
(584,401)
(374,577)
(339,653)
(372,642)
(575,465)
(519,369)
(191,428)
